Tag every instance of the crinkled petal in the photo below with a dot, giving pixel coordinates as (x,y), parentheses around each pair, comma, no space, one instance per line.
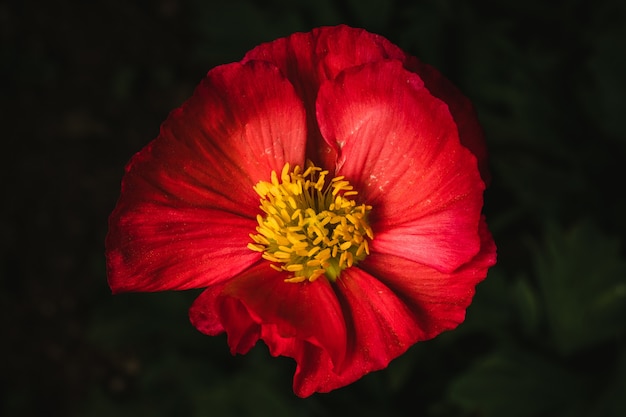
(380,328)
(187,203)
(437,300)
(260,304)
(212,314)
(204,314)
(400,149)
(335,333)
(389,304)
(309,59)
(338,333)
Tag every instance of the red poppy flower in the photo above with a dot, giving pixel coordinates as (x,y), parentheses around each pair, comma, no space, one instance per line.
(325,192)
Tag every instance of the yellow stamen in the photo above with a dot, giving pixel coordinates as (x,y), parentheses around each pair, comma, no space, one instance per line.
(310,227)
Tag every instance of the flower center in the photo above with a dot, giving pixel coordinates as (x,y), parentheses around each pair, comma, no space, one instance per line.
(310,228)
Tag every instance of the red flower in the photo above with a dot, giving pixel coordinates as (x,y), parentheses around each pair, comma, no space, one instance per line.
(326,191)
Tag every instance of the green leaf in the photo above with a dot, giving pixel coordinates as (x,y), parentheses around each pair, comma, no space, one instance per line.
(530,311)
(581,281)
(612,403)
(601,91)
(513,383)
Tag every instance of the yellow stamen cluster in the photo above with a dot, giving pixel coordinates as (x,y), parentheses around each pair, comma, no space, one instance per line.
(310,228)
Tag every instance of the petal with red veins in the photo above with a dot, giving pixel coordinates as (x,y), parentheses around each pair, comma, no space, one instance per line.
(462,110)
(400,149)
(187,202)
(309,59)
(242,122)
(157,248)
(379,328)
(437,300)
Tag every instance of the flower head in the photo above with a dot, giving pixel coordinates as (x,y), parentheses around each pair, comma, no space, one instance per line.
(325,192)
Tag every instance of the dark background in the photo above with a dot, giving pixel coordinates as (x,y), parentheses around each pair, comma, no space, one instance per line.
(84,85)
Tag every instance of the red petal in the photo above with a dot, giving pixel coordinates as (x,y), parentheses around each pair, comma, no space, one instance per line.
(309,59)
(211,314)
(437,300)
(383,321)
(308,323)
(380,328)
(187,202)
(286,316)
(462,110)
(339,333)
(242,122)
(203,313)
(400,150)
(155,248)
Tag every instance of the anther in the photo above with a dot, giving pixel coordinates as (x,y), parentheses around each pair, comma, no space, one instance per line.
(310,226)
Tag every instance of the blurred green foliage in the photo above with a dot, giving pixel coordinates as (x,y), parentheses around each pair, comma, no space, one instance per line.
(87,84)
